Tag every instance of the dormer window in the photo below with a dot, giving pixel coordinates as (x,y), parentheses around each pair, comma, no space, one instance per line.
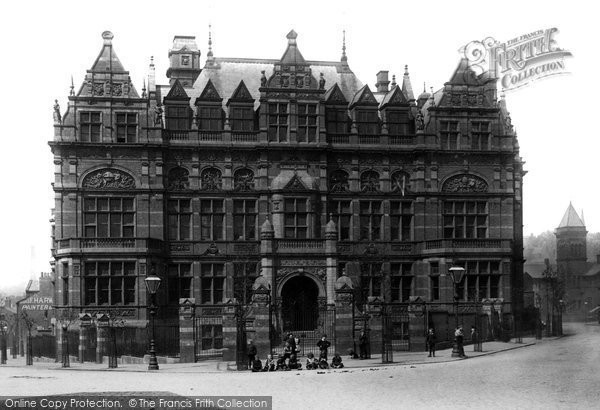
(397,123)
(367,122)
(178,118)
(241,118)
(336,120)
(210,118)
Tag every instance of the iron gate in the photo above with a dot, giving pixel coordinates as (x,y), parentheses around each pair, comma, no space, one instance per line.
(308,327)
(395,330)
(208,332)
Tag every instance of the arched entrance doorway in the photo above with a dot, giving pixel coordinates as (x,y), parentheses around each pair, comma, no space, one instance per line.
(299,304)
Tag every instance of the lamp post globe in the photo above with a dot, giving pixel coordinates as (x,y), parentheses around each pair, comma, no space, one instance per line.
(152,284)
(456,274)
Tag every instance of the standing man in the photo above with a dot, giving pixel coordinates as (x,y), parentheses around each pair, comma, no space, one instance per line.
(251,353)
(323,345)
(363,341)
(459,335)
(474,339)
(430,341)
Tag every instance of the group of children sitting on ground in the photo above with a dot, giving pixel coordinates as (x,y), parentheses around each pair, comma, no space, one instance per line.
(289,359)
(292,363)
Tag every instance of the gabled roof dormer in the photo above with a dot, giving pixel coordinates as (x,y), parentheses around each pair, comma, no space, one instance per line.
(364,97)
(335,96)
(241,95)
(395,97)
(209,94)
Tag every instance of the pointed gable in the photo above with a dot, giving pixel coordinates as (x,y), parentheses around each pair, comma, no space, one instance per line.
(394,97)
(241,94)
(210,93)
(177,92)
(571,219)
(335,96)
(364,96)
(292,54)
(107,60)
(463,75)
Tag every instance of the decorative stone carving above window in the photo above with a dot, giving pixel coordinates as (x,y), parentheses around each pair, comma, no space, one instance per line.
(338,182)
(243,180)
(400,182)
(178,179)
(108,178)
(465,183)
(211,179)
(369,181)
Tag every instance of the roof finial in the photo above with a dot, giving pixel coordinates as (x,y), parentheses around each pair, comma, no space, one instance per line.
(393,80)
(210,53)
(406,69)
(144,89)
(424,88)
(72,92)
(151,61)
(344,57)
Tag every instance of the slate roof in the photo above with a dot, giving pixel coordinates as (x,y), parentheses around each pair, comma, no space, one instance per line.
(226,74)
(571,219)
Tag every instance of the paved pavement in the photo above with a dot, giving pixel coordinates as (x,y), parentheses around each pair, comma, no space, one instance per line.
(209,366)
(557,373)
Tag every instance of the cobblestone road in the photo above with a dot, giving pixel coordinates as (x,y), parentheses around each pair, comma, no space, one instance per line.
(562,373)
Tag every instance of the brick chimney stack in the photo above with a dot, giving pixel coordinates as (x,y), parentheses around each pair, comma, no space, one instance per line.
(382,82)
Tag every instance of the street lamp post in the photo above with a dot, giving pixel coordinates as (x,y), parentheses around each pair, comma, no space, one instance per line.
(456,274)
(152,284)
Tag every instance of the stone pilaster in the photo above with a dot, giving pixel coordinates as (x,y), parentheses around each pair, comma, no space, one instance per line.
(102,336)
(375,311)
(85,322)
(416,325)
(262,325)
(187,310)
(229,331)
(344,302)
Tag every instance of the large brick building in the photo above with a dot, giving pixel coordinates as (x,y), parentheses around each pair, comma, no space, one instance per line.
(348,200)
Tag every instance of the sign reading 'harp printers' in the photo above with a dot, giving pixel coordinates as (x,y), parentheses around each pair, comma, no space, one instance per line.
(37,303)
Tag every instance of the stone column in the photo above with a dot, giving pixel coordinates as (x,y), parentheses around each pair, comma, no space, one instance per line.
(229,331)
(416,324)
(261,312)
(187,310)
(344,326)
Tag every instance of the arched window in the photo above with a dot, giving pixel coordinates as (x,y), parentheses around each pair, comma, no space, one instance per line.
(369,181)
(178,179)
(243,180)
(338,182)
(211,179)
(400,182)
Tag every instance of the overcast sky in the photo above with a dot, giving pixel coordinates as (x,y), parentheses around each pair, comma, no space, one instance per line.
(45,42)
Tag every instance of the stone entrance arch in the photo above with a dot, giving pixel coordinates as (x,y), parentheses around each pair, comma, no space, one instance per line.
(299,303)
